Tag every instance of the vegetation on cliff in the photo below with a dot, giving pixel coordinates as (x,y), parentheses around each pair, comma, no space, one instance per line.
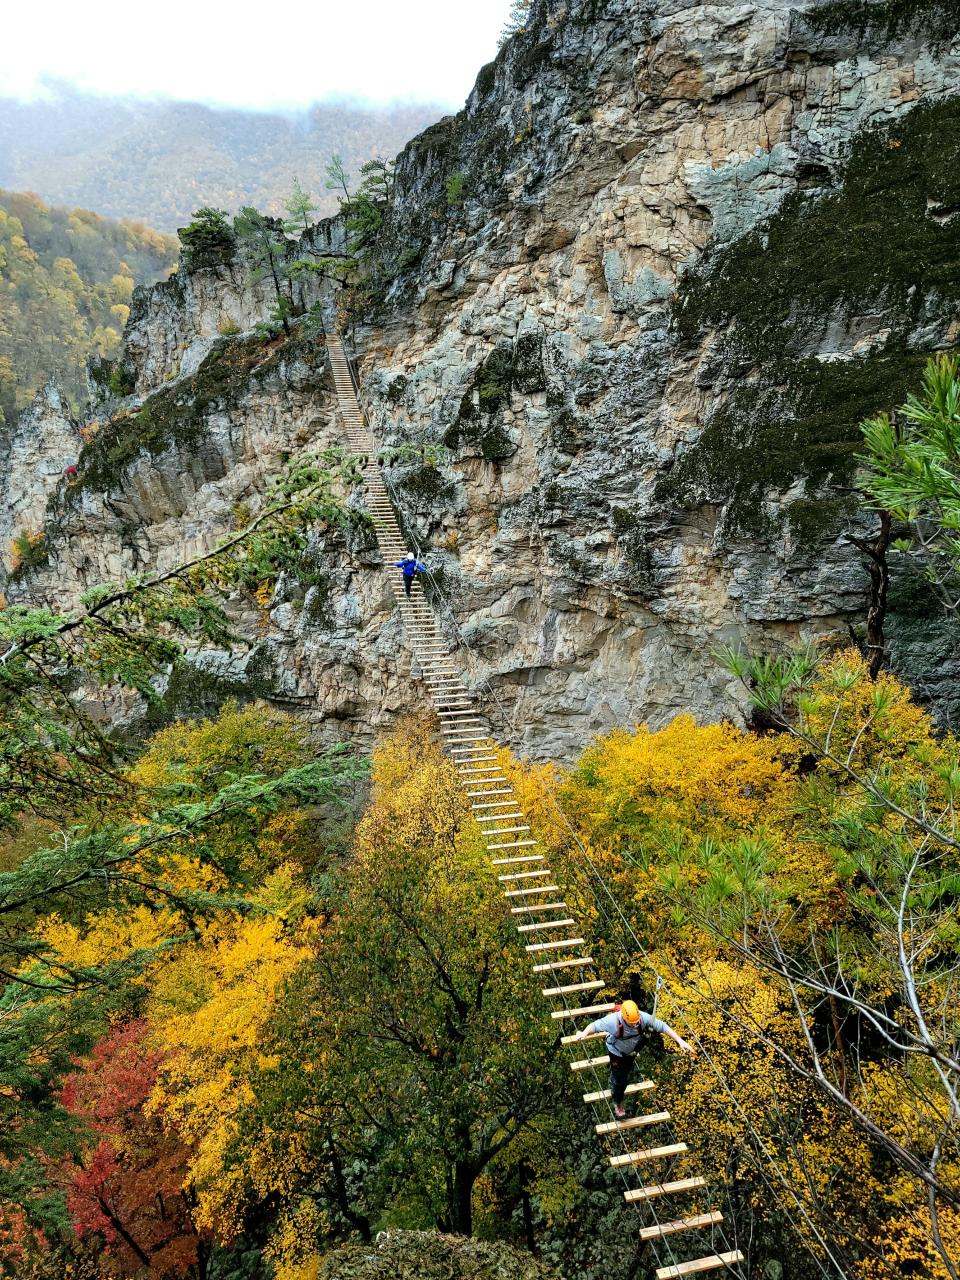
(66,280)
(268,1033)
(883,242)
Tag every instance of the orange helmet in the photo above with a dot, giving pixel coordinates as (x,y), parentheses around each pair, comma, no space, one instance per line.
(629,1012)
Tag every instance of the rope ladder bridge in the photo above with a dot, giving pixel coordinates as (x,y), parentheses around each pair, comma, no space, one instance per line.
(543,920)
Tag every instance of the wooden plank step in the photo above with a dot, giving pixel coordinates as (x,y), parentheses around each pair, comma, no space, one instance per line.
(543,924)
(492,804)
(560,964)
(523,875)
(540,888)
(505,831)
(651,1153)
(574,987)
(641,1086)
(497,817)
(504,791)
(694,1223)
(641,1194)
(555,946)
(634,1122)
(510,844)
(585,1064)
(524,857)
(582,1013)
(537,906)
(699,1265)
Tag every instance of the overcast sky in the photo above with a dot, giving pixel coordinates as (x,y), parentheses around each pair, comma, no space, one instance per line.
(247,53)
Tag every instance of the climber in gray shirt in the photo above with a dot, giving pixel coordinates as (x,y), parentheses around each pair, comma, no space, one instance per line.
(624,1030)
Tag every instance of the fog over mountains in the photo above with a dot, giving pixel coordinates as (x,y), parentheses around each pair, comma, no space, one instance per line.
(159,161)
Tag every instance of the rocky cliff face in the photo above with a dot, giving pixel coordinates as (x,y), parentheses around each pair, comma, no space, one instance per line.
(643,289)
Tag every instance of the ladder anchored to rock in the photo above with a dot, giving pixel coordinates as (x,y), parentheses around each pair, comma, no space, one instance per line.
(509,841)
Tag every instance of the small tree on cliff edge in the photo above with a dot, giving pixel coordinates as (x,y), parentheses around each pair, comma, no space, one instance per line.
(299,206)
(266,251)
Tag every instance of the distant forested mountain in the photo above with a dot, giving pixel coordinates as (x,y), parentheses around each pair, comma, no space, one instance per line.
(159,161)
(66,277)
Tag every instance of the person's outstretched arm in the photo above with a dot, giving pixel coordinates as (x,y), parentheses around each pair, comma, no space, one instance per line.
(657,1024)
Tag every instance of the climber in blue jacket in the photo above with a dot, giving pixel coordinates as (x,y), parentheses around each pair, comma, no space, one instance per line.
(410,565)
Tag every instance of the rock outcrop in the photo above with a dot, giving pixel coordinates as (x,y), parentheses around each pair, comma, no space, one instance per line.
(43,443)
(643,289)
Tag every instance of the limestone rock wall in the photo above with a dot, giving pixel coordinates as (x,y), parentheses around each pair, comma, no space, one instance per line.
(631,483)
(642,290)
(42,444)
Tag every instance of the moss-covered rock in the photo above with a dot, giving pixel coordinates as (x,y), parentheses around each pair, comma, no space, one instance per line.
(201,684)
(878,21)
(425,484)
(510,367)
(876,257)
(175,415)
(426,1255)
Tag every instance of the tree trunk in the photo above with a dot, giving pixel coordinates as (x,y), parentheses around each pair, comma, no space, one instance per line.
(122,1232)
(875,550)
(528,1222)
(460,1211)
(877,605)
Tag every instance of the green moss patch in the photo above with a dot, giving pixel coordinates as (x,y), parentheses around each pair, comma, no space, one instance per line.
(174,416)
(196,692)
(425,484)
(510,367)
(878,21)
(879,252)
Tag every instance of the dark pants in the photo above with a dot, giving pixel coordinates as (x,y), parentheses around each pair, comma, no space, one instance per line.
(620,1072)
(408,583)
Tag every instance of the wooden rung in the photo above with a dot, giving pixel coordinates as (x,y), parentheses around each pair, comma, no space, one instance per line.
(523,857)
(541,888)
(498,817)
(641,1194)
(523,875)
(712,1263)
(640,1086)
(584,1012)
(510,844)
(575,1039)
(652,1153)
(543,924)
(694,1223)
(505,792)
(584,1064)
(555,946)
(538,906)
(577,986)
(560,964)
(506,831)
(634,1122)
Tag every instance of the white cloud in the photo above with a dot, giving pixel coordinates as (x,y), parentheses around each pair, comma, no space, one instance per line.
(238,53)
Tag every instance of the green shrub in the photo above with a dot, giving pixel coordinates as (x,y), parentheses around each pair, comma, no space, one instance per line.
(455,189)
(28,551)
